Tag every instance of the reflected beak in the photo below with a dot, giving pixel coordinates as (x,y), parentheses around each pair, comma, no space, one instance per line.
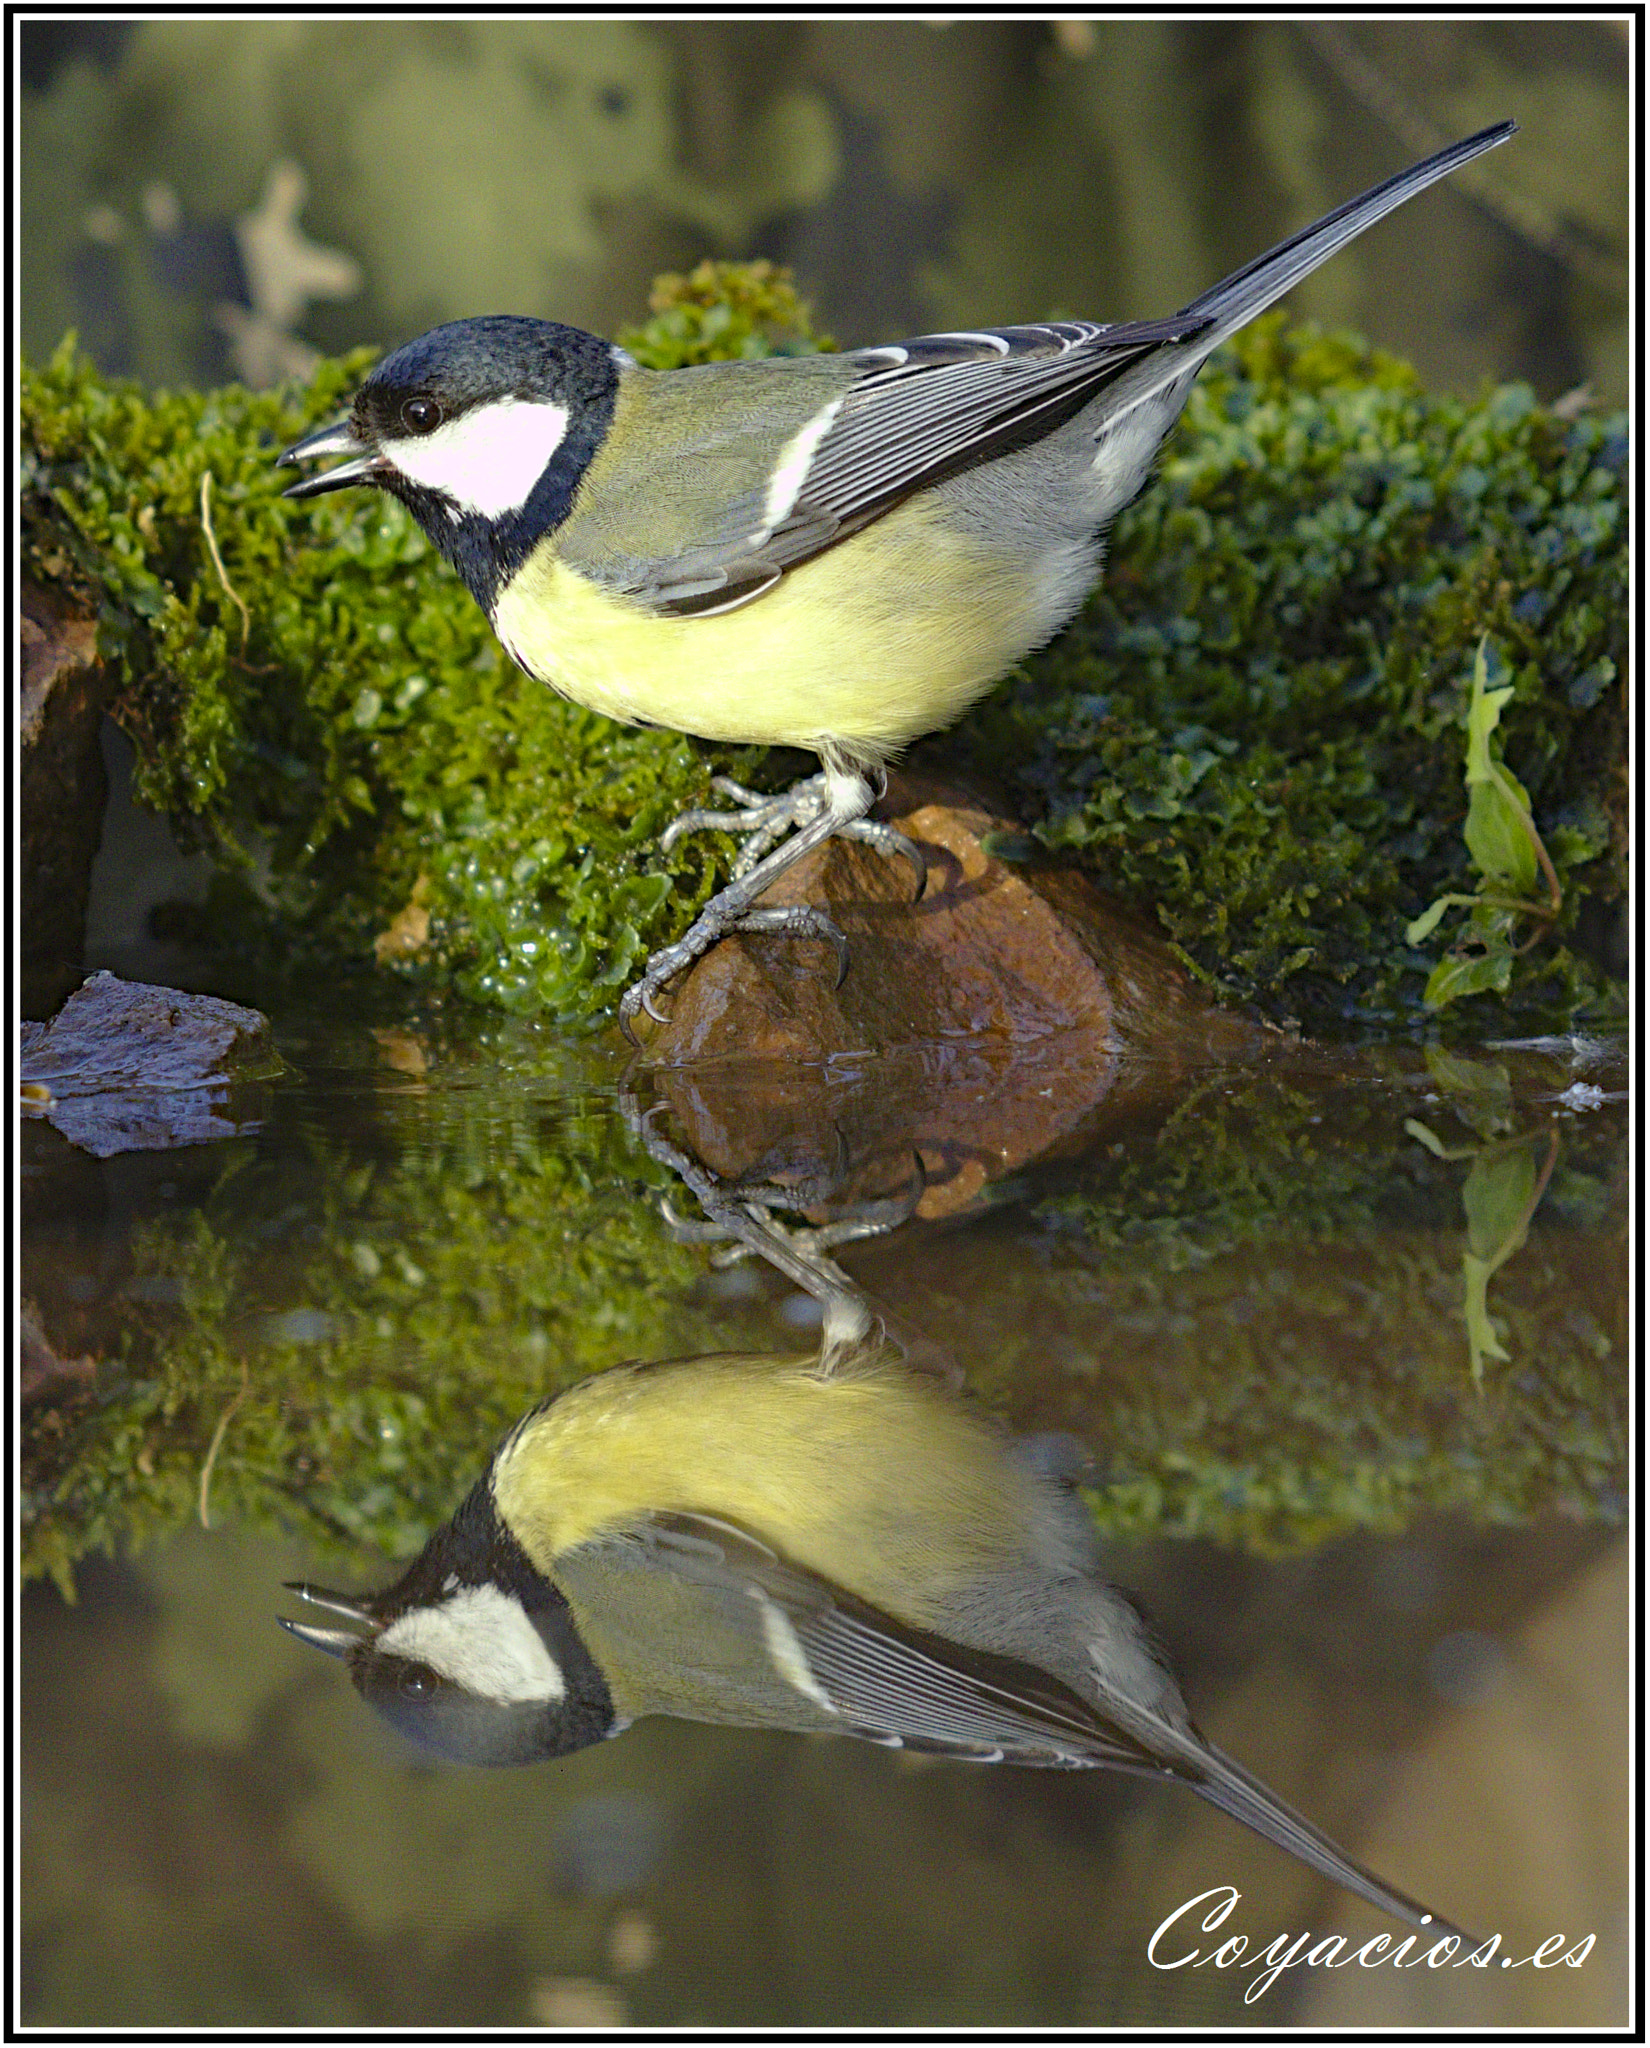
(336,1642)
(338,439)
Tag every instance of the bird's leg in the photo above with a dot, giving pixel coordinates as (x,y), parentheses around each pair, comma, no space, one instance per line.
(835,802)
(847,1320)
(742,1214)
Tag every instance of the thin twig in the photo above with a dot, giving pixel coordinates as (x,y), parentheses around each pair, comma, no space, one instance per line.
(217,1444)
(217,559)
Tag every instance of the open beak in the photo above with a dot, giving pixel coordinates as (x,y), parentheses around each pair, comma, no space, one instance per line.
(340,438)
(336,1642)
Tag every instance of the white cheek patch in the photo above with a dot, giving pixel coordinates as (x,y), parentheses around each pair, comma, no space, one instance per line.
(487,461)
(481,1640)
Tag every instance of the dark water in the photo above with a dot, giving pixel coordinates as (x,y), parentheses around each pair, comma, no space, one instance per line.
(1399,1596)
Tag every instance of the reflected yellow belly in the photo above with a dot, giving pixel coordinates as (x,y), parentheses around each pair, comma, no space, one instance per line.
(879,1481)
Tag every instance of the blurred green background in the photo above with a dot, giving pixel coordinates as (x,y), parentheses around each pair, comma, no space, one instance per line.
(212,199)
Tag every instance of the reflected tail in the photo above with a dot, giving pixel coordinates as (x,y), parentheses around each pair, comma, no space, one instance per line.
(1226,1784)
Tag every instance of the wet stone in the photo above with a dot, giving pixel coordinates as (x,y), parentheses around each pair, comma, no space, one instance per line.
(125,1067)
(1016,1003)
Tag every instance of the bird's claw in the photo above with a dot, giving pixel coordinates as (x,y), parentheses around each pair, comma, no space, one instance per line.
(893,844)
(765,818)
(794,920)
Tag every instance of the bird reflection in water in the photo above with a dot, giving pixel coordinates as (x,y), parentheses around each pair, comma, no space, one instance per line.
(833,1543)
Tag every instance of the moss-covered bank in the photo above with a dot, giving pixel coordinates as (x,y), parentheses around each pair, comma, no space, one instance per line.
(1256,728)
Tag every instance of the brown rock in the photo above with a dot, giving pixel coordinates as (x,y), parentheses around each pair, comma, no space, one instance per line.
(127,1067)
(975,1030)
(62,695)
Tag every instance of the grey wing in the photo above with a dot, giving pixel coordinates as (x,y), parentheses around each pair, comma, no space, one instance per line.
(919,411)
(922,409)
(890,1683)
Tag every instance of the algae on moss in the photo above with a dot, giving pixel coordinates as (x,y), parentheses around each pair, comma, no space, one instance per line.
(1252,728)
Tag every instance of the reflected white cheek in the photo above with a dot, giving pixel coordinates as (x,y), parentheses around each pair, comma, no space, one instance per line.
(481,1640)
(487,461)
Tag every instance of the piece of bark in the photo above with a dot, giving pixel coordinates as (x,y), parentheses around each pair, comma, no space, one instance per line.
(63,789)
(125,1066)
(996,1020)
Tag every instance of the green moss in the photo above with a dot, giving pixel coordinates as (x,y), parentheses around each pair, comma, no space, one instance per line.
(1255,727)
(1258,723)
(371,1317)
(1256,1315)
(720,312)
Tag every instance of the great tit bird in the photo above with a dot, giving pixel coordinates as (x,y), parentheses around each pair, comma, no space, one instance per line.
(774,1542)
(833,552)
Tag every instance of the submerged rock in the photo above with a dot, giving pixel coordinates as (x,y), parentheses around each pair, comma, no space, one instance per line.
(126,1067)
(45,1373)
(976,1029)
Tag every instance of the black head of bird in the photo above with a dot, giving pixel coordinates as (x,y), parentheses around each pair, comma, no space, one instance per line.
(471,1653)
(835,552)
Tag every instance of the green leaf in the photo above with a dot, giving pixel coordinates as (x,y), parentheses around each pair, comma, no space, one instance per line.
(1423,926)
(1497,837)
(1483,1340)
(1483,716)
(1453,978)
(1479,1091)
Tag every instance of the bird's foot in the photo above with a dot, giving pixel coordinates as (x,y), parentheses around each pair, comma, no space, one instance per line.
(722,916)
(874,1217)
(826,805)
(766,819)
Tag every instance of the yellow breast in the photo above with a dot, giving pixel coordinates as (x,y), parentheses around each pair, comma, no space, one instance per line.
(872,643)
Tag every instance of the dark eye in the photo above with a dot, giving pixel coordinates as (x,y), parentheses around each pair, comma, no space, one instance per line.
(421,415)
(417,1683)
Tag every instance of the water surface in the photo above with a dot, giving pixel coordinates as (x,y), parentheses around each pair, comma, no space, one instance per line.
(1394,1586)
